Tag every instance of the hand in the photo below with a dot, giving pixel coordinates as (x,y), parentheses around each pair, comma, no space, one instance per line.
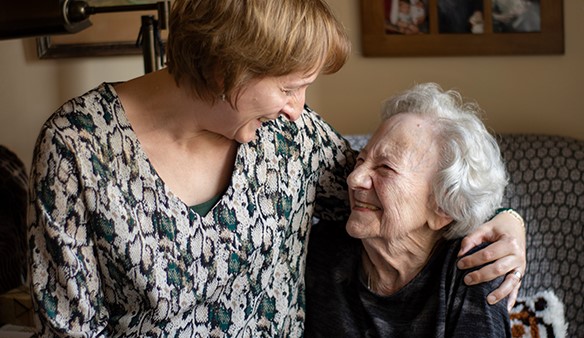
(507,252)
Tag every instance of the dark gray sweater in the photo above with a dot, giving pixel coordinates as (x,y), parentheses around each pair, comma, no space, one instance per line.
(436,303)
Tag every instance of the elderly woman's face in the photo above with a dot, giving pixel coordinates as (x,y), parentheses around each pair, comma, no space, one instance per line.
(390,187)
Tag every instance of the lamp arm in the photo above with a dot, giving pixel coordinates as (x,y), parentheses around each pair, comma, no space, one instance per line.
(79,10)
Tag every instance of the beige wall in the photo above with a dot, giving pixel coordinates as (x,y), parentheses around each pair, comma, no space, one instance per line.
(542,94)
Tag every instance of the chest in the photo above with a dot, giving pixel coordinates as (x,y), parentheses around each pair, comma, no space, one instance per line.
(194,174)
(144,229)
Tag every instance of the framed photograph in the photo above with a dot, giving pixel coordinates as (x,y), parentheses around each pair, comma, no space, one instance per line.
(461,27)
(109,34)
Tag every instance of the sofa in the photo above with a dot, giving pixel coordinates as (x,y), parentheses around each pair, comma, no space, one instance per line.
(546,187)
(13,204)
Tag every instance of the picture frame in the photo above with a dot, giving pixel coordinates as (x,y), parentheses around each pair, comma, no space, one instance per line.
(110,34)
(379,40)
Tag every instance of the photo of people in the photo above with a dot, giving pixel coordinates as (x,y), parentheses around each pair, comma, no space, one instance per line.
(460,16)
(406,16)
(516,16)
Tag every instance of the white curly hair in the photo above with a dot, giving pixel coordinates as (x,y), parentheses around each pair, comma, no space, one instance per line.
(471,177)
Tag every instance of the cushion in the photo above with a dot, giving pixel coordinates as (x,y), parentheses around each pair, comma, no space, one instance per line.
(541,315)
(13,206)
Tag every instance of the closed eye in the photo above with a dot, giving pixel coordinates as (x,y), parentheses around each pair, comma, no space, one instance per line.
(287,92)
(387,168)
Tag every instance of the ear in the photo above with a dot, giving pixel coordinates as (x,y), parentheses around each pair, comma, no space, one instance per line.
(438,219)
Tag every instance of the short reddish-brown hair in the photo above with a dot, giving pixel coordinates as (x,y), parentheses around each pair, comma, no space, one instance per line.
(217,46)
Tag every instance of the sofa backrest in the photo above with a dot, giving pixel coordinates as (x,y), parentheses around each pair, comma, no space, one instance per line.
(546,186)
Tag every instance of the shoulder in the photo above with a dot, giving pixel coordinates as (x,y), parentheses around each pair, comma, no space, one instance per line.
(453,277)
(309,140)
(451,249)
(320,129)
(466,306)
(87,125)
(310,128)
(94,114)
(455,248)
(84,112)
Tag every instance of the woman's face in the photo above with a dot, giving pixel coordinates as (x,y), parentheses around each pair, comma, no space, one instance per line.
(390,188)
(264,100)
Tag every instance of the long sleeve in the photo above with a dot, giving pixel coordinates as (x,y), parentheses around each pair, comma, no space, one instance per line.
(65,282)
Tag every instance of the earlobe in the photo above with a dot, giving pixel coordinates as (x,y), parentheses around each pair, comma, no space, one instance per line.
(439,219)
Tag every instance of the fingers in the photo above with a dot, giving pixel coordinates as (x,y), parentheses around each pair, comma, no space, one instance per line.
(509,287)
(513,297)
(491,271)
(505,254)
(470,241)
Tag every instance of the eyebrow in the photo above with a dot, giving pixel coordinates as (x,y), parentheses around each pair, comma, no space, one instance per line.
(301,82)
(298,84)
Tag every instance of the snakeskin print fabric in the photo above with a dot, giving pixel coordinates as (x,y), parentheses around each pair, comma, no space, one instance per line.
(115,253)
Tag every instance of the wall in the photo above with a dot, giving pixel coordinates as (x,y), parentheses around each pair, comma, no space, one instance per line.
(540,94)
(519,93)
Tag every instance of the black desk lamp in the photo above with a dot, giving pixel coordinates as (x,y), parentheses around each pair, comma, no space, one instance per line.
(26,18)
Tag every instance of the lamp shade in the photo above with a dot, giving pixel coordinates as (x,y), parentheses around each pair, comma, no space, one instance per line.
(25,18)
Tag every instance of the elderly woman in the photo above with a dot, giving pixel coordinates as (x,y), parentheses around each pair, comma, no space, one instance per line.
(429,175)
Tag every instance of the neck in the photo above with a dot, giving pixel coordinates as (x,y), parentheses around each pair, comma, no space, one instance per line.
(156,105)
(388,266)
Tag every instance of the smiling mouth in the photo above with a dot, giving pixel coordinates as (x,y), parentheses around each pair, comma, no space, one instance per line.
(366,206)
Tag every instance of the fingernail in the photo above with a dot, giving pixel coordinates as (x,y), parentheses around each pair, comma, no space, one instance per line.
(461,265)
(468,280)
(491,299)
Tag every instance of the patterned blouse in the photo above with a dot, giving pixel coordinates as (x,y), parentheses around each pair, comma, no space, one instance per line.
(115,253)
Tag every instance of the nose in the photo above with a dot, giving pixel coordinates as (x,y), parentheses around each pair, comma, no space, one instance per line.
(295,105)
(360,178)
(291,113)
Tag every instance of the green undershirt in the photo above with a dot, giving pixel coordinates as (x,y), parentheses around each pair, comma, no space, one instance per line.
(203,208)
